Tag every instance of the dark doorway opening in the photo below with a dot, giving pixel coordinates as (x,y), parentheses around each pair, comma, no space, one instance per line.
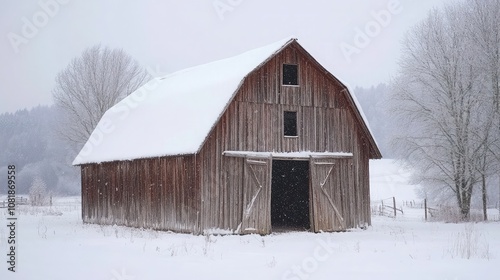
(290,195)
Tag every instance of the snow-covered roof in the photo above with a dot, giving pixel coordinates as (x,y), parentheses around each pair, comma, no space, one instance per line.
(150,123)
(173,115)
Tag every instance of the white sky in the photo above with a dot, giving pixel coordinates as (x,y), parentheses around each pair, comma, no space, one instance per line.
(172,35)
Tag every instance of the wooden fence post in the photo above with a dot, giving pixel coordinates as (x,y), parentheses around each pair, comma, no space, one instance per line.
(394,204)
(425,207)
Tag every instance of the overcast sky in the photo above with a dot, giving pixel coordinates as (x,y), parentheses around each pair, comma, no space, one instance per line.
(39,40)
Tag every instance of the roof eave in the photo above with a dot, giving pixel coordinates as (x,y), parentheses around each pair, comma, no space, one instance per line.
(134,159)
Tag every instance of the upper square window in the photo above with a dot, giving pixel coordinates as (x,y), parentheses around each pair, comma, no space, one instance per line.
(290,74)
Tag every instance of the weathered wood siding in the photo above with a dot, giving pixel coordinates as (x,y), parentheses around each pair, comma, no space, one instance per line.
(158,193)
(254,122)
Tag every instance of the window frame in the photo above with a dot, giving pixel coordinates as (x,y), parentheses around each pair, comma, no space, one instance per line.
(283,75)
(296,128)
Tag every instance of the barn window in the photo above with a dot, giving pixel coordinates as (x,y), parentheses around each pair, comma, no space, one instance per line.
(290,74)
(290,123)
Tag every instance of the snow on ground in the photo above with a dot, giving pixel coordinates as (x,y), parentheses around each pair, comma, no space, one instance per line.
(55,244)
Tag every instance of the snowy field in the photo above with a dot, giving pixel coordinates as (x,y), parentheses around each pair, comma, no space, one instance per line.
(54,244)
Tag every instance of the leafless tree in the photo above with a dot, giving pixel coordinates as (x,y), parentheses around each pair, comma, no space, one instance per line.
(90,85)
(440,102)
(484,32)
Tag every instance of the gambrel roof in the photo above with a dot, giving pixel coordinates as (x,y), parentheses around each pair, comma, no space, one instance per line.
(174,114)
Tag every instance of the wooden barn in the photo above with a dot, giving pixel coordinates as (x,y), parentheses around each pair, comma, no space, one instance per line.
(264,141)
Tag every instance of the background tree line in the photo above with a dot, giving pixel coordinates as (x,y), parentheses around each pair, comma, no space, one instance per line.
(29,140)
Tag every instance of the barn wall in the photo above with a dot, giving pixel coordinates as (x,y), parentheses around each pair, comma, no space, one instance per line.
(253,122)
(158,193)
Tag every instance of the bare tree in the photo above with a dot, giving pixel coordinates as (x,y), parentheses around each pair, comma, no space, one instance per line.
(90,85)
(484,31)
(439,102)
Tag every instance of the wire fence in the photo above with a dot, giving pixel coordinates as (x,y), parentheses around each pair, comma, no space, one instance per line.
(386,207)
(391,207)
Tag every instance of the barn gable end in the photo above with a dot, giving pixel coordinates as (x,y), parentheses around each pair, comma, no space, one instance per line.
(253,122)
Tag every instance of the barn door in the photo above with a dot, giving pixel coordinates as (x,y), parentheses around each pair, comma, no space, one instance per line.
(325,205)
(256,196)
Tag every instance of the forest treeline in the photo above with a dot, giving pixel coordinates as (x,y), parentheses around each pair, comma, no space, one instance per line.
(29,140)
